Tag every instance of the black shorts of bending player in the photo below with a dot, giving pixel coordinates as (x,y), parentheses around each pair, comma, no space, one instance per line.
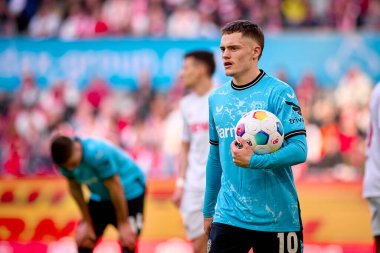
(229,239)
(103,213)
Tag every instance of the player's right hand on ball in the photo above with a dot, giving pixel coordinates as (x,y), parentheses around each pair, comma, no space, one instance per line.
(241,156)
(85,236)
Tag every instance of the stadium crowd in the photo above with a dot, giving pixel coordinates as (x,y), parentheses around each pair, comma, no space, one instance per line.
(75,19)
(147,123)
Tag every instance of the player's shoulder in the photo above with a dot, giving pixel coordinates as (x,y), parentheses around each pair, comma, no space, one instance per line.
(188,99)
(89,141)
(95,150)
(220,90)
(276,83)
(92,145)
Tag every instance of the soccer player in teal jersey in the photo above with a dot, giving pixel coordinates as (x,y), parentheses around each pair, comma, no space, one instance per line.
(251,200)
(116,186)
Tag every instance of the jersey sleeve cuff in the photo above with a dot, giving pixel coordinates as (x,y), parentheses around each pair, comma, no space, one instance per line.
(215,143)
(295,133)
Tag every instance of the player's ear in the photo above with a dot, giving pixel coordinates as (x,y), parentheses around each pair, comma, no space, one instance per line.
(256,51)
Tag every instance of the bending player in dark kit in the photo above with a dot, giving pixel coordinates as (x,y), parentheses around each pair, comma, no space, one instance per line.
(116,186)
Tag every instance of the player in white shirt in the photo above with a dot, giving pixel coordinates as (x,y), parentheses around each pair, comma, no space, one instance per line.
(371,184)
(196,76)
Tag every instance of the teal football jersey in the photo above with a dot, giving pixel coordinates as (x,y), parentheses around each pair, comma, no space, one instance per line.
(102,160)
(257,199)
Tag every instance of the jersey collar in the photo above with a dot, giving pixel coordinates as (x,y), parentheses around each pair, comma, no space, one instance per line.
(250,84)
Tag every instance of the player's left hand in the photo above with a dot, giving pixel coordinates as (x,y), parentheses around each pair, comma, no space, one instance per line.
(127,236)
(241,154)
(85,235)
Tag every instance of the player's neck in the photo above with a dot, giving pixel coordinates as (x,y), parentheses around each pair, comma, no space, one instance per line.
(203,87)
(245,78)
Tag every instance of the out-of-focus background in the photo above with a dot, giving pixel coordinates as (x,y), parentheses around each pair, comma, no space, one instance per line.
(109,69)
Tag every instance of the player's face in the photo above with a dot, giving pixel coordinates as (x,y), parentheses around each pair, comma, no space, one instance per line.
(75,159)
(240,54)
(190,72)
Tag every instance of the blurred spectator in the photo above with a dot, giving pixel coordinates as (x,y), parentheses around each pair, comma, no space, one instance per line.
(5,102)
(30,122)
(88,18)
(183,16)
(274,17)
(144,95)
(22,11)
(140,18)
(96,91)
(351,142)
(331,157)
(207,27)
(295,12)
(59,101)
(117,15)
(318,10)
(7,26)
(324,115)
(95,9)
(372,19)
(255,12)
(343,15)
(228,11)
(13,155)
(354,89)
(47,20)
(29,93)
(306,91)
(314,138)
(78,24)
(157,21)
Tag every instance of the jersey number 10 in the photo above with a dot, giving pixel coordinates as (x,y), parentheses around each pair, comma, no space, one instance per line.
(291,242)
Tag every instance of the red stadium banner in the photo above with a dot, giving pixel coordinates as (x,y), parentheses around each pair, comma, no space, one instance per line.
(38,215)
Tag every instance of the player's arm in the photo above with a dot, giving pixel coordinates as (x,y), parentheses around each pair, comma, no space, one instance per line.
(77,193)
(294,152)
(183,164)
(184,158)
(107,171)
(285,105)
(116,191)
(213,175)
(86,237)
